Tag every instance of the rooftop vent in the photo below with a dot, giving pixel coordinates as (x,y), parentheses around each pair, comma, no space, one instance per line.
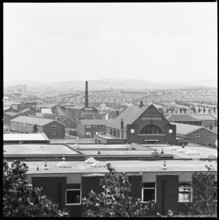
(63,164)
(90,160)
(164,165)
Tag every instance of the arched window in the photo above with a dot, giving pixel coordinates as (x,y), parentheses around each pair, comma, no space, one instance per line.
(151,129)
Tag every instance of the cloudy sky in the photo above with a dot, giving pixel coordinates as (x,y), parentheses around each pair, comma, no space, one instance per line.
(157,42)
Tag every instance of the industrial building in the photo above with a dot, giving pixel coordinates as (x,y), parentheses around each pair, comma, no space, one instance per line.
(24,124)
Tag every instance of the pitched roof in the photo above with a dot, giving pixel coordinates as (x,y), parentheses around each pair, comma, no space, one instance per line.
(11,113)
(204,116)
(183,118)
(33,120)
(130,115)
(94,122)
(185,129)
(47,105)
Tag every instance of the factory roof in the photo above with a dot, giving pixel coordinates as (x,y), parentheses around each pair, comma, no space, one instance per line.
(182,117)
(201,117)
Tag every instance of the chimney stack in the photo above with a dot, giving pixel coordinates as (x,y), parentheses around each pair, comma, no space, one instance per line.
(141,104)
(86,94)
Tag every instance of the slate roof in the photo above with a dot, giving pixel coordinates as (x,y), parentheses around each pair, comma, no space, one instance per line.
(33,120)
(201,117)
(94,122)
(185,129)
(182,118)
(130,115)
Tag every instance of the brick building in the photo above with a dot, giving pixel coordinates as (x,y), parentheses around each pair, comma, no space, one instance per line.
(88,128)
(67,182)
(196,134)
(142,124)
(53,129)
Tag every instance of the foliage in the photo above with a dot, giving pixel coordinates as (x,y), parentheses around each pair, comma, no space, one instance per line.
(35,128)
(204,194)
(115,200)
(19,200)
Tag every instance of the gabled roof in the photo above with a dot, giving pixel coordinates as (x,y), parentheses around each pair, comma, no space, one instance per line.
(203,116)
(130,115)
(94,122)
(34,120)
(185,129)
(183,118)
(11,113)
(63,117)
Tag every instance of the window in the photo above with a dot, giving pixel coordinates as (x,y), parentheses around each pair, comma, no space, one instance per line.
(54,126)
(170,131)
(73,196)
(151,129)
(148,192)
(197,135)
(53,133)
(185,192)
(87,126)
(132,131)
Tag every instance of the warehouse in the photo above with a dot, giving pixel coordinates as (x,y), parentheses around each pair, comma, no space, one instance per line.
(24,124)
(142,124)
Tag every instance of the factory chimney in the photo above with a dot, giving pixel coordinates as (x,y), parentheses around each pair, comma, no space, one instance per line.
(86,94)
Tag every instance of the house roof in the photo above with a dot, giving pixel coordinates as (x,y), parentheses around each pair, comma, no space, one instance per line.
(183,118)
(33,120)
(204,117)
(94,122)
(130,115)
(185,129)
(11,113)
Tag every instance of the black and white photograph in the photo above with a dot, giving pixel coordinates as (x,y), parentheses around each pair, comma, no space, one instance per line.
(110,109)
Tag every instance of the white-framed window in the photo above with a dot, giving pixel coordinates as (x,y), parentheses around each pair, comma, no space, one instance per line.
(149,191)
(73,196)
(197,135)
(185,192)
(170,131)
(53,133)
(54,126)
(132,131)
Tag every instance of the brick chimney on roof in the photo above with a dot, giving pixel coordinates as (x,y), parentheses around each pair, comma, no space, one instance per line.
(141,104)
(86,94)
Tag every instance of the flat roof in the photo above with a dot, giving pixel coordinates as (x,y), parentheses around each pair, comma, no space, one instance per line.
(37,149)
(204,152)
(120,166)
(25,137)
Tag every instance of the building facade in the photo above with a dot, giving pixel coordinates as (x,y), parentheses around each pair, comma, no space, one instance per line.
(142,124)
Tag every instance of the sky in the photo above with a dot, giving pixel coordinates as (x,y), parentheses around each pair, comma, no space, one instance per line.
(156,42)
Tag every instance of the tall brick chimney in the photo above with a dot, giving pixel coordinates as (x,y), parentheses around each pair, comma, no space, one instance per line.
(86,94)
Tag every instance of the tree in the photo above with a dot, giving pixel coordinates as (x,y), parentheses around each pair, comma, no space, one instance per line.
(115,200)
(204,194)
(35,128)
(19,200)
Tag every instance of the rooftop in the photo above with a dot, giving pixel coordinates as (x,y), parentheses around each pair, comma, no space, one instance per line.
(94,122)
(134,166)
(185,129)
(25,137)
(38,149)
(204,116)
(33,120)
(183,118)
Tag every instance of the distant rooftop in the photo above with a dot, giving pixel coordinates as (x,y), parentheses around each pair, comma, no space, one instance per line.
(204,116)
(94,122)
(182,118)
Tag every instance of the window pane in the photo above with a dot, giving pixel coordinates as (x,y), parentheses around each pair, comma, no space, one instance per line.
(149,194)
(73,197)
